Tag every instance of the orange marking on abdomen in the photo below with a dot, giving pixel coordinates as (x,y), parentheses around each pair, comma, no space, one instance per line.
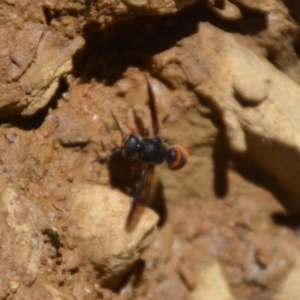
(182,156)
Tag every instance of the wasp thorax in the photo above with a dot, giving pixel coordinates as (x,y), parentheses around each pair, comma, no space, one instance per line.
(131,145)
(152,151)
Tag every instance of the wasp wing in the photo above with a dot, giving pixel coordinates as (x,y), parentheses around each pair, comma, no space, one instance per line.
(144,132)
(140,199)
(153,110)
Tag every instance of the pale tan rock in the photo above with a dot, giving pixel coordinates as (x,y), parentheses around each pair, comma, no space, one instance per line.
(71,259)
(279,39)
(188,277)
(289,289)
(42,291)
(229,11)
(58,294)
(38,69)
(268,260)
(252,88)
(211,283)
(263,6)
(70,133)
(109,11)
(136,3)
(22,49)
(21,224)
(235,133)
(53,60)
(211,61)
(96,225)
(167,6)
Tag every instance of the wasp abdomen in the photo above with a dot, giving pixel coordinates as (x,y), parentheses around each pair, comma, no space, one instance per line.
(176,157)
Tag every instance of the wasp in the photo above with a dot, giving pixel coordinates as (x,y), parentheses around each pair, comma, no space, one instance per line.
(149,151)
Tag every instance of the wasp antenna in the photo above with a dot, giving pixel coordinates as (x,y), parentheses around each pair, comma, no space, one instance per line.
(118,125)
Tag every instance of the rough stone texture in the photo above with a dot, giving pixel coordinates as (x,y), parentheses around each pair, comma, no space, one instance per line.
(31,88)
(25,87)
(289,288)
(70,132)
(223,73)
(53,60)
(42,291)
(278,39)
(22,223)
(33,61)
(21,50)
(269,131)
(97,226)
(211,283)
(229,11)
(263,6)
(252,88)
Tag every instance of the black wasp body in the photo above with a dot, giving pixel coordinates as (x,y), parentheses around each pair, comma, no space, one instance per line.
(148,151)
(153,151)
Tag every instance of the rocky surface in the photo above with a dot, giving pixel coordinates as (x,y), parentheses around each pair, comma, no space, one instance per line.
(22,223)
(225,75)
(262,121)
(112,251)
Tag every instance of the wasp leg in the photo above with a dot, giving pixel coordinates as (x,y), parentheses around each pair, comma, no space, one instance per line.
(104,159)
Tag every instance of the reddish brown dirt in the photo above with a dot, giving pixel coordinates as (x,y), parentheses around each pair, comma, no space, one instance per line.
(211,212)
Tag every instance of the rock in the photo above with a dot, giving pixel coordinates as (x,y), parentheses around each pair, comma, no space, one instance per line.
(211,283)
(263,6)
(21,225)
(252,89)
(268,260)
(289,289)
(269,130)
(71,133)
(42,291)
(234,132)
(32,77)
(229,11)
(279,40)
(23,49)
(96,225)
(188,277)
(53,60)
